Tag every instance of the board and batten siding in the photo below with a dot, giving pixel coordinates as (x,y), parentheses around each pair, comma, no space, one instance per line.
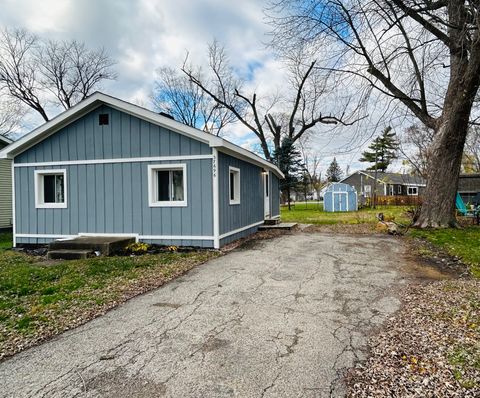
(112,197)
(275,195)
(5,194)
(250,210)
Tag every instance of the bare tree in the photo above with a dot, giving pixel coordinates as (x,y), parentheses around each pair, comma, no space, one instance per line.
(263,116)
(177,95)
(18,69)
(311,161)
(471,154)
(30,68)
(11,113)
(415,147)
(423,54)
(71,71)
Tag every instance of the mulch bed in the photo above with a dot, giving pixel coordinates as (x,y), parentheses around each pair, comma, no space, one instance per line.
(430,348)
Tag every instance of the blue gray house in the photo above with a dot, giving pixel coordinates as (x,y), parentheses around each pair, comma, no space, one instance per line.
(110,168)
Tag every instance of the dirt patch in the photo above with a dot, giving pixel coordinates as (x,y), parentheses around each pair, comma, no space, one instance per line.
(254,241)
(425,254)
(349,229)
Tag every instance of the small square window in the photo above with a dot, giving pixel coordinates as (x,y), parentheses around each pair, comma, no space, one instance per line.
(234,185)
(167,185)
(50,189)
(412,191)
(103,119)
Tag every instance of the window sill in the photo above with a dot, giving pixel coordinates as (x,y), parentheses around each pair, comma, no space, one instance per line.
(234,202)
(169,204)
(51,206)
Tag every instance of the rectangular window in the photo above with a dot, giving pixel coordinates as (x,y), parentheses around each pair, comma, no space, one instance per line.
(368,189)
(266,185)
(413,191)
(234,185)
(399,190)
(50,189)
(167,185)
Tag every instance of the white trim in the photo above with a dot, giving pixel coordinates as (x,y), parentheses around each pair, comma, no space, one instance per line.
(136,236)
(152,183)
(5,140)
(96,99)
(120,160)
(216,200)
(13,207)
(236,231)
(45,236)
(237,185)
(120,235)
(266,197)
(175,237)
(38,186)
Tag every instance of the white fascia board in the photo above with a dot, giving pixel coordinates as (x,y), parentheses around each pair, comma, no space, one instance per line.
(5,140)
(97,99)
(238,152)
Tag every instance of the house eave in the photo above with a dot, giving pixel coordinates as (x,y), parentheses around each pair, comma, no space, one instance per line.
(97,99)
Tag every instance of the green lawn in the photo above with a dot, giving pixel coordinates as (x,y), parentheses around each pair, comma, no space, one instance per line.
(464,243)
(312,213)
(5,241)
(40,298)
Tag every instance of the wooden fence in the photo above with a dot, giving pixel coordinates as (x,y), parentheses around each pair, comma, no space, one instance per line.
(398,200)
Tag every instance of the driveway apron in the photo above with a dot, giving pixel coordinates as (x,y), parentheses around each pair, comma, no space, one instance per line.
(276,318)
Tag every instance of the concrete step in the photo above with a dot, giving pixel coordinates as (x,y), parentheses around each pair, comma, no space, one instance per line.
(284,225)
(272,221)
(106,245)
(69,254)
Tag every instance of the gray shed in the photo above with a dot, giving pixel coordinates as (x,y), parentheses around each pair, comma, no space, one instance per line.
(340,197)
(107,167)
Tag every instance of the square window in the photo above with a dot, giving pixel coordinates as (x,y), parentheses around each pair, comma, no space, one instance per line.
(103,119)
(234,185)
(412,191)
(50,189)
(167,185)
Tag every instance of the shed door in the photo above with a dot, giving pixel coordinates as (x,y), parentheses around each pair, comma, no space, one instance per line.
(340,201)
(266,195)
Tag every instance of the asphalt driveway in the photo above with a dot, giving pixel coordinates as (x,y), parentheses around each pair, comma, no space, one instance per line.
(278,318)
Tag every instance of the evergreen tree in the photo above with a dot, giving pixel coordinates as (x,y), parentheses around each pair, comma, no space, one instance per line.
(382,151)
(289,161)
(334,172)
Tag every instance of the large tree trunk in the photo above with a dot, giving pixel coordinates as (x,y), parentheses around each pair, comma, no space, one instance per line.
(438,209)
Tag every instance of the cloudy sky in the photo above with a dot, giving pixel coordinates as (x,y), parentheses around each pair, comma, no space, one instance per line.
(142,35)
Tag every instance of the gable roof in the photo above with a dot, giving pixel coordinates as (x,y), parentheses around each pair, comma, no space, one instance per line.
(5,140)
(392,178)
(96,99)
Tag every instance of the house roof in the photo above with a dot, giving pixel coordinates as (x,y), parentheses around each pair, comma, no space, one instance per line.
(469,183)
(97,99)
(5,140)
(393,178)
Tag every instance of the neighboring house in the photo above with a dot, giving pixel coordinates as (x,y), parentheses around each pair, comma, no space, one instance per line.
(388,184)
(108,167)
(469,188)
(5,189)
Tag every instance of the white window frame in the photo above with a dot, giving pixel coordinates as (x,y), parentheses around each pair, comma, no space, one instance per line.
(236,181)
(153,181)
(39,193)
(412,187)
